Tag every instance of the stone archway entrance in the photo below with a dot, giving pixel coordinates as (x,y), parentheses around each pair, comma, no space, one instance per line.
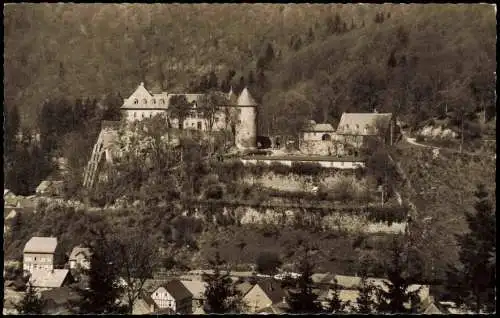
(326,137)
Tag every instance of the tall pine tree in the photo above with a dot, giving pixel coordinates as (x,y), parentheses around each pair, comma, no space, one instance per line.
(221,296)
(336,305)
(473,282)
(103,277)
(396,297)
(365,302)
(302,299)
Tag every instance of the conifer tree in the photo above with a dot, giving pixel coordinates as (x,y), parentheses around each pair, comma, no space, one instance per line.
(11,128)
(212,81)
(392,62)
(336,305)
(473,282)
(396,296)
(103,278)
(365,302)
(31,302)
(302,299)
(221,296)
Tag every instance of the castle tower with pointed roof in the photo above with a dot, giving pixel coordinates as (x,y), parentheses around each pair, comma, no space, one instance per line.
(246,128)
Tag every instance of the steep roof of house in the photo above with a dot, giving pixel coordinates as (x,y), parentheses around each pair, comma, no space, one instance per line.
(431,309)
(348,282)
(355,123)
(320,128)
(48,279)
(79,250)
(320,277)
(41,245)
(273,290)
(177,289)
(196,288)
(246,99)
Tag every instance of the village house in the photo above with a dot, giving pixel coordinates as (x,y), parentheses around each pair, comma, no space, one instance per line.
(355,128)
(79,258)
(349,289)
(353,131)
(175,296)
(197,289)
(39,254)
(264,294)
(318,132)
(144,305)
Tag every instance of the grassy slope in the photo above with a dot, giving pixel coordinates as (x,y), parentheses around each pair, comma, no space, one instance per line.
(53,50)
(445,190)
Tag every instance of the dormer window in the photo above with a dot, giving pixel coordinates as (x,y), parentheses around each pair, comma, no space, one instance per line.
(154,101)
(162,101)
(346,126)
(357,126)
(144,101)
(136,101)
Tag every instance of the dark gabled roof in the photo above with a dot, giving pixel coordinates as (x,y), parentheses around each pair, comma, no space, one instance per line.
(177,289)
(273,290)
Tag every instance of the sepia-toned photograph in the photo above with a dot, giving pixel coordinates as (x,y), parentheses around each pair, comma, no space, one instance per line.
(251,158)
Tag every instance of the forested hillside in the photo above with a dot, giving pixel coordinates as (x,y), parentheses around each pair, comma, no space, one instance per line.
(307,60)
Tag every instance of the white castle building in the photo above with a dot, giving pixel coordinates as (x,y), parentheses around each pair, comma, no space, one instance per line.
(238,114)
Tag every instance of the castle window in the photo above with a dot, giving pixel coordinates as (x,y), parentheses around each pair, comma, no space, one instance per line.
(135,114)
(142,115)
(162,101)
(136,101)
(150,115)
(357,126)
(199,125)
(154,101)
(144,101)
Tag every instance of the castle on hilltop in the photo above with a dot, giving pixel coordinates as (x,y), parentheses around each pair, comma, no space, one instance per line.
(239,113)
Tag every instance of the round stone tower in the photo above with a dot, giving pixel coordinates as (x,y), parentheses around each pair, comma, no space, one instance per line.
(246,127)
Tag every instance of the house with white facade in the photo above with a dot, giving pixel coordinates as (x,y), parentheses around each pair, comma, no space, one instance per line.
(38,254)
(175,296)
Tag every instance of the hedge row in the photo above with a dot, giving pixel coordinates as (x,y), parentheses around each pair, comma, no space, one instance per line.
(236,168)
